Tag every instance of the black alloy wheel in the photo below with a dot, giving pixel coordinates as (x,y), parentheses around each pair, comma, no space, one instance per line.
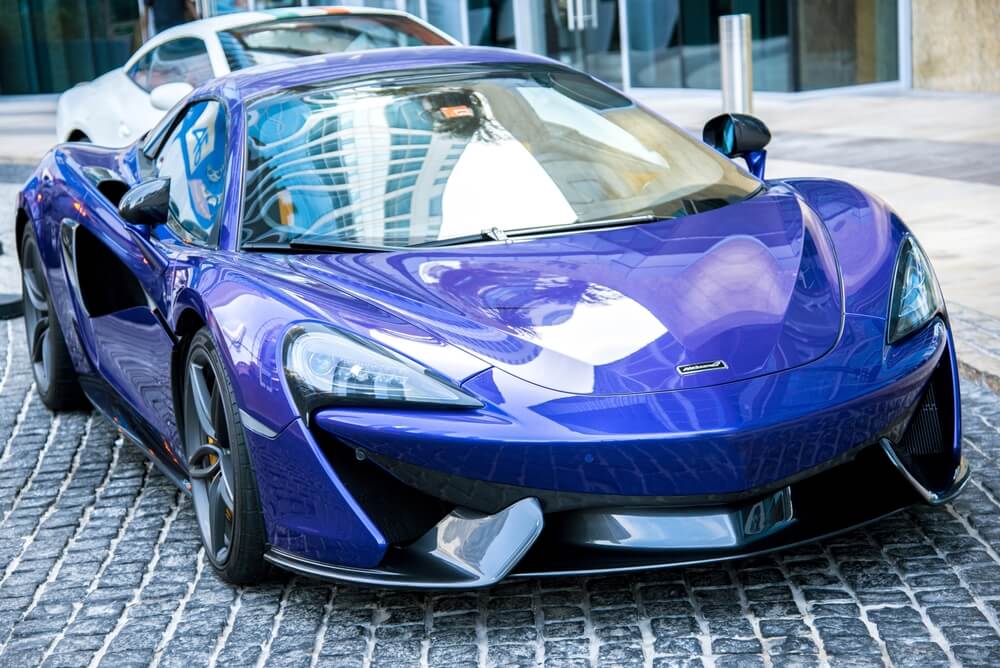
(55,378)
(223,487)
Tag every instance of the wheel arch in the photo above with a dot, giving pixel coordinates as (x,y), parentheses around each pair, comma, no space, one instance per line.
(189,322)
(20,225)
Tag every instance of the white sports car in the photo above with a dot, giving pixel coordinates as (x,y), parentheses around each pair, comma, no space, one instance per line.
(118,107)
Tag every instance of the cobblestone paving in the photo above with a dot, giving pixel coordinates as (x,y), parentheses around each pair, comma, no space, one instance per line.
(101,566)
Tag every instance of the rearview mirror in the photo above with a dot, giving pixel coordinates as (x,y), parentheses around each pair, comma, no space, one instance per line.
(169,94)
(146,205)
(739,136)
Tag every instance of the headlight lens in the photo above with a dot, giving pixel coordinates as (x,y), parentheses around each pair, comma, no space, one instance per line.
(325,366)
(916,297)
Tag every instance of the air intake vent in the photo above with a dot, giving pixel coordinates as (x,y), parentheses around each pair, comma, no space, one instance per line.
(923,436)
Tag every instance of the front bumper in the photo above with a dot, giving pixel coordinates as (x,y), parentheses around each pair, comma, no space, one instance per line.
(467,549)
(342,504)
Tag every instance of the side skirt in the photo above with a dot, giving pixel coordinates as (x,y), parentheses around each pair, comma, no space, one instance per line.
(107,405)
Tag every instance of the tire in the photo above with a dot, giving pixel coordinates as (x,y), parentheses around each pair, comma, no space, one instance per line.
(232,531)
(55,378)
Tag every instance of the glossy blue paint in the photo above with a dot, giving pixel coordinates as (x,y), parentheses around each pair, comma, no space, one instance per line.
(550,310)
(307,509)
(756,162)
(572,341)
(722,439)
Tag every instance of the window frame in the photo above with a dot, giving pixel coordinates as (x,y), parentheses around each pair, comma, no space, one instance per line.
(150,52)
(153,148)
(129,72)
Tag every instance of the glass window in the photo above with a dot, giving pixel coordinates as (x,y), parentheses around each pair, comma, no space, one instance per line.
(139,73)
(796,44)
(843,44)
(491,23)
(443,154)
(654,38)
(47,46)
(184,59)
(294,38)
(194,159)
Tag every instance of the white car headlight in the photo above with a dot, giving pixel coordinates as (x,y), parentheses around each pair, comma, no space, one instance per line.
(327,367)
(916,296)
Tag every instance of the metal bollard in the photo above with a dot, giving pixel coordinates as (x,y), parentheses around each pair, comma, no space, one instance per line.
(737,63)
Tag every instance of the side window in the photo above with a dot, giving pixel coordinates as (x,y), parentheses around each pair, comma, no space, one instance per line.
(185,59)
(194,159)
(139,73)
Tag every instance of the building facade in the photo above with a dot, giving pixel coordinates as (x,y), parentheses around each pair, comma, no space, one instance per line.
(798,45)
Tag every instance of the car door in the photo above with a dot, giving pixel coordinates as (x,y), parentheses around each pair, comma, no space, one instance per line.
(121,275)
(184,59)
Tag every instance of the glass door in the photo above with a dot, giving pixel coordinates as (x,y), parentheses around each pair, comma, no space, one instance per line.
(585,34)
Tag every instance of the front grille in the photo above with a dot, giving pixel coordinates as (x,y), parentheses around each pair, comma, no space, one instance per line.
(924,435)
(926,448)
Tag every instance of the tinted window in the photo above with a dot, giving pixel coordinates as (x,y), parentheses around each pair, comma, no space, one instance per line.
(140,71)
(282,40)
(194,159)
(430,156)
(184,59)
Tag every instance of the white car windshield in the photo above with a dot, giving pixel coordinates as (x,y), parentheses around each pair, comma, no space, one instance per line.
(424,157)
(275,41)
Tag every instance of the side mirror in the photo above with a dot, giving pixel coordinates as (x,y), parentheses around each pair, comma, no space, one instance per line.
(146,205)
(739,136)
(164,97)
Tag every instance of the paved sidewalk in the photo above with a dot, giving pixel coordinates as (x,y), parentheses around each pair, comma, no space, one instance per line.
(27,129)
(102,567)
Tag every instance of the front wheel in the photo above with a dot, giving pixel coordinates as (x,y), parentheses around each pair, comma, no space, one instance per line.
(223,486)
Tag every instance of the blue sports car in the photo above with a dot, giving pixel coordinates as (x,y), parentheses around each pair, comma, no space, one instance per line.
(432,317)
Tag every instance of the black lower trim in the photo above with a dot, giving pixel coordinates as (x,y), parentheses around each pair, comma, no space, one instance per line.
(490,497)
(839,499)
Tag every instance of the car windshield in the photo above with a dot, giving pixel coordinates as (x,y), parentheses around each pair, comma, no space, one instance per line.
(276,41)
(424,157)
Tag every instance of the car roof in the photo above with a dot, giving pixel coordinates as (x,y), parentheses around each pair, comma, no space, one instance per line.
(207,28)
(328,68)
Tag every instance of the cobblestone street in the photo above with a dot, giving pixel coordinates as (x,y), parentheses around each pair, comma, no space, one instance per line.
(102,566)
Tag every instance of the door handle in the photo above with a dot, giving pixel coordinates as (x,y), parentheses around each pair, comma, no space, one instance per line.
(590,18)
(571,12)
(580,16)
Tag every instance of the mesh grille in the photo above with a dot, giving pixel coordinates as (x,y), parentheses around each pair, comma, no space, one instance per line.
(923,436)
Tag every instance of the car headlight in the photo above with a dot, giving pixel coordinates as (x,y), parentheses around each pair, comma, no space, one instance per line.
(916,297)
(327,367)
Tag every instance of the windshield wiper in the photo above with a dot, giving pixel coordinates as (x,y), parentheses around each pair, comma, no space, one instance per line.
(497,234)
(593,224)
(318,247)
(491,234)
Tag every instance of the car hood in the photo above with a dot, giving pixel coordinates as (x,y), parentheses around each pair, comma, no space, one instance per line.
(744,290)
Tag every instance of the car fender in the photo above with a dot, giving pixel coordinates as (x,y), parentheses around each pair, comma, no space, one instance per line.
(866,234)
(248,329)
